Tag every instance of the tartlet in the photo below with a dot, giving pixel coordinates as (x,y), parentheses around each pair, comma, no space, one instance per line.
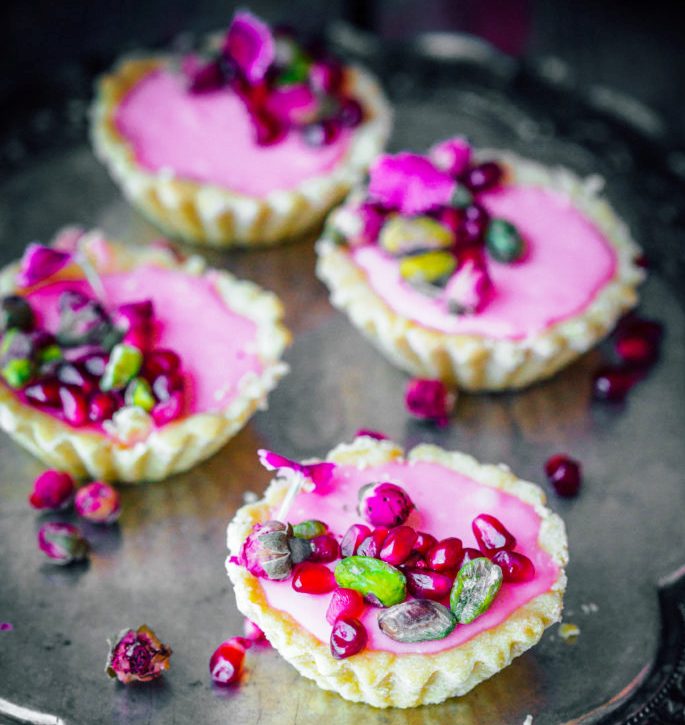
(490,274)
(251,147)
(140,369)
(386,672)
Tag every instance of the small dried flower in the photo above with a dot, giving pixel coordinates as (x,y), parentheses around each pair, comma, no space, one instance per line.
(265,553)
(137,655)
(62,543)
(319,473)
(452,155)
(98,502)
(250,44)
(429,400)
(52,490)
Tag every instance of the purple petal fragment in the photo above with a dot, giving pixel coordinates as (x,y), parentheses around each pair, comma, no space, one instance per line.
(39,263)
(250,44)
(409,183)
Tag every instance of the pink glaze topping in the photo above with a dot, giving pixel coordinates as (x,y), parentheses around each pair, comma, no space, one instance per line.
(217,346)
(446,503)
(567,262)
(208,137)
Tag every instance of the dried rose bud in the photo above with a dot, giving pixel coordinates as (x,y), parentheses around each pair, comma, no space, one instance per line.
(62,543)
(384,504)
(52,490)
(429,400)
(98,502)
(265,552)
(136,655)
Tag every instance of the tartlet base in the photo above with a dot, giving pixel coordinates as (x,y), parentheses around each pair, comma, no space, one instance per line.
(384,679)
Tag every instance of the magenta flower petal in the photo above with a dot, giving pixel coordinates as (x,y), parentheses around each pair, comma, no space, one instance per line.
(137,655)
(6,626)
(410,183)
(376,435)
(319,473)
(250,44)
(39,263)
(452,156)
(429,400)
(294,103)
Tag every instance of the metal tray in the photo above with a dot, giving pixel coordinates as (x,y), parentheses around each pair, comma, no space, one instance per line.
(163,563)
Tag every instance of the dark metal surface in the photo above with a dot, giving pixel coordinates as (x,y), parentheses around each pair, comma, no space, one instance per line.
(163,563)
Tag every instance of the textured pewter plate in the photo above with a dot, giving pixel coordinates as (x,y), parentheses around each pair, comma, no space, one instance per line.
(163,563)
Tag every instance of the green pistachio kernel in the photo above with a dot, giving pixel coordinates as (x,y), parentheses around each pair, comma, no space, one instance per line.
(7,339)
(378,582)
(461,198)
(17,372)
(309,529)
(428,267)
(417,620)
(403,235)
(297,71)
(503,241)
(474,589)
(139,393)
(124,364)
(49,354)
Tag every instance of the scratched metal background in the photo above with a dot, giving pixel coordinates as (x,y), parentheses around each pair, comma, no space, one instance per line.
(163,563)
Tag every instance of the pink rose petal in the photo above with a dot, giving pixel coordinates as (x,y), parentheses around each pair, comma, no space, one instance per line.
(410,183)
(39,263)
(295,104)
(250,44)
(452,156)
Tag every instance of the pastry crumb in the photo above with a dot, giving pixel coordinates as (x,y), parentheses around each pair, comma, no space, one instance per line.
(250,497)
(568,631)
(590,608)
(528,720)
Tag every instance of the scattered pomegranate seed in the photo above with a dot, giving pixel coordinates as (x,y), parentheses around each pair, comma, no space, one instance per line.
(312,578)
(564,473)
(445,555)
(614,383)
(353,538)
(641,327)
(226,664)
(372,544)
(74,406)
(515,567)
(347,638)
(483,177)
(424,542)
(491,534)
(636,350)
(398,545)
(425,584)
(252,631)
(45,392)
(325,548)
(345,603)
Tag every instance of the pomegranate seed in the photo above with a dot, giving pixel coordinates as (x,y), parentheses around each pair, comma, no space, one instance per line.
(326,75)
(310,578)
(351,113)
(74,406)
(134,314)
(345,603)
(398,545)
(425,584)
(642,260)
(450,217)
(321,133)
(353,538)
(71,374)
(161,362)
(347,638)
(140,337)
(636,350)
(164,386)
(252,631)
(468,555)
(372,544)
(469,234)
(94,364)
(168,410)
(268,129)
(515,567)
(414,561)
(424,542)
(101,407)
(491,534)
(226,664)
(564,473)
(445,555)
(483,177)
(45,392)
(641,327)
(325,548)
(614,383)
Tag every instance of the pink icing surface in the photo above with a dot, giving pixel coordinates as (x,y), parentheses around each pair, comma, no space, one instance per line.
(208,137)
(446,503)
(217,346)
(568,261)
